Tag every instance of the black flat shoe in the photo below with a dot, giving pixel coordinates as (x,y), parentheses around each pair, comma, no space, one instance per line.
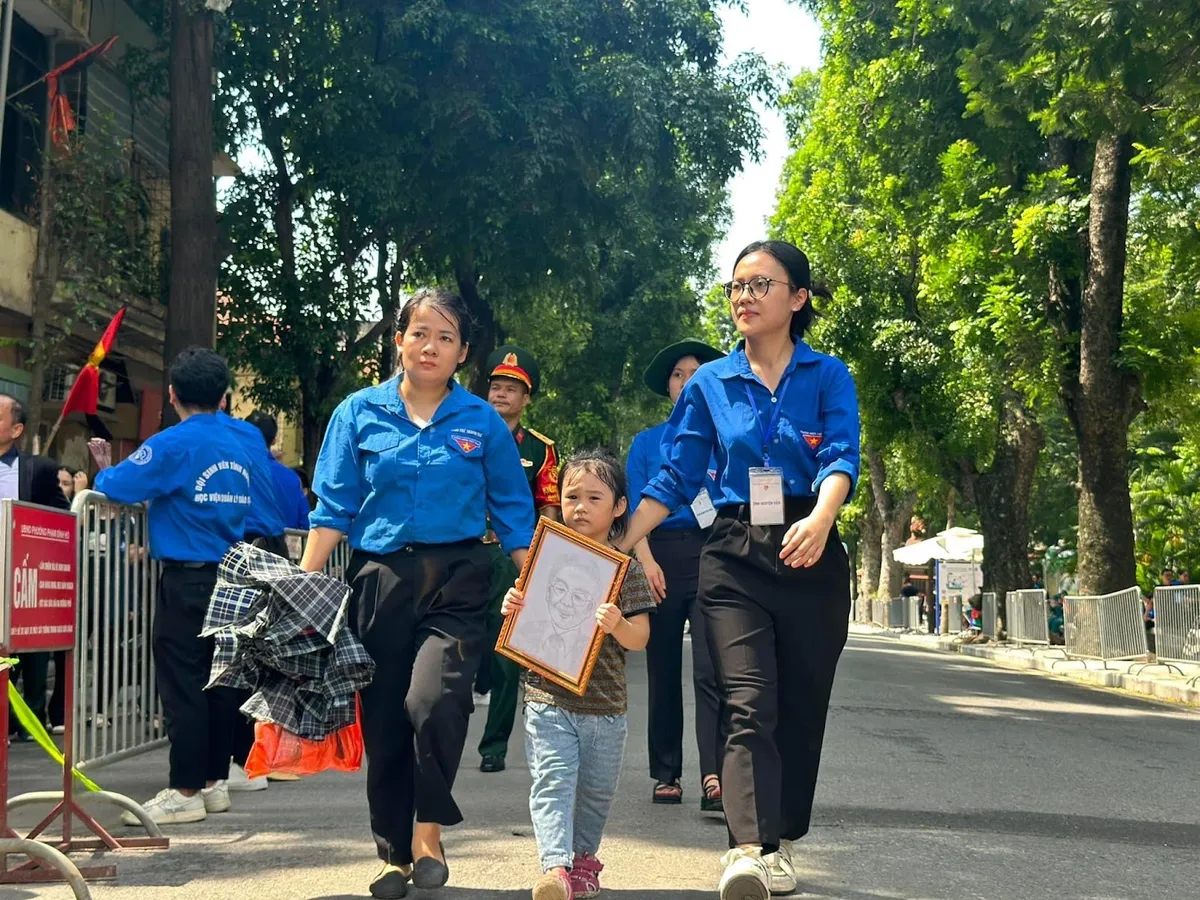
(492,764)
(429,872)
(390,884)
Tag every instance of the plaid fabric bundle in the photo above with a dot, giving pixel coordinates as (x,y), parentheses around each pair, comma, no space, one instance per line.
(282,634)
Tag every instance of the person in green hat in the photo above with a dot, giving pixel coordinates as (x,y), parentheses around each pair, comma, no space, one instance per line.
(513,380)
(675,547)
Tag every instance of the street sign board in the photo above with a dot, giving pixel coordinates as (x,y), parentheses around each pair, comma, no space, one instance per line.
(39,595)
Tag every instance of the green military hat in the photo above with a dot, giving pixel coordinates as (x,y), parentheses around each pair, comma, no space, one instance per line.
(658,373)
(511,361)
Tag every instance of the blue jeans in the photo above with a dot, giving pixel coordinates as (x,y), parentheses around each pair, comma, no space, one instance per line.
(575,761)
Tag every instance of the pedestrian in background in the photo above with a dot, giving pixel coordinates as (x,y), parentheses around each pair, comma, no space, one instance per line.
(513,381)
(31,479)
(289,490)
(412,471)
(783,422)
(196,477)
(672,552)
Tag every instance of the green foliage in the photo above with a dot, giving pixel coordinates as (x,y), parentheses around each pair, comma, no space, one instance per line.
(562,163)
(939,182)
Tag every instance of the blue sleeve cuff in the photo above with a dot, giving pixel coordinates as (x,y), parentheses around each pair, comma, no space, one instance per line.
(516,540)
(838,465)
(665,490)
(321,517)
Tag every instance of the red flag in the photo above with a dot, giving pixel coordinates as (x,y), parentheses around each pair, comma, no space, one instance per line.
(85,393)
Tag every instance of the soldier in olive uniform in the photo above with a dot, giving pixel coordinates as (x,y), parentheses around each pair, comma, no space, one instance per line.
(514,379)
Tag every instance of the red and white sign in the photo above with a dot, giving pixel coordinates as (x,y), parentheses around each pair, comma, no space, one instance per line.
(41,549)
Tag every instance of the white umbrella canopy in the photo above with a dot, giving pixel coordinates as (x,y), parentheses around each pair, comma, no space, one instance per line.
(958,544)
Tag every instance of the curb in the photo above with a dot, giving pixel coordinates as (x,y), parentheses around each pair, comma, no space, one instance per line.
(1170,689)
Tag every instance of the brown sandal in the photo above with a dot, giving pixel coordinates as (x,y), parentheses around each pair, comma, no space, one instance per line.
(711,801)
(668,793)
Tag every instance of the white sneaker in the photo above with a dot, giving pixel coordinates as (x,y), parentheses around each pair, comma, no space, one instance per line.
(169,807)
(746,876)
(216,798)
(240,782)
(782,868)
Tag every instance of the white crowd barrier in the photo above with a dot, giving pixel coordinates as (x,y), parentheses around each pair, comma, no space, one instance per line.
(117,711)
(1108,627)
(1028,617)
(990,619)
(1177,624)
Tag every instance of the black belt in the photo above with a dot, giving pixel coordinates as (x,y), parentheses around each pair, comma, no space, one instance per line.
(677,534)
(793,508)
(186,564)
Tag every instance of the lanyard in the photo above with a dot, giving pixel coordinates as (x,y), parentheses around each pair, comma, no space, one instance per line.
(768,431)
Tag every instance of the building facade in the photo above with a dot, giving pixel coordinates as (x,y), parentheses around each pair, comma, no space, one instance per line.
(46,34)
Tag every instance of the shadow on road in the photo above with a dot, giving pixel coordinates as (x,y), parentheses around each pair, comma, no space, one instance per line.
(1135,832)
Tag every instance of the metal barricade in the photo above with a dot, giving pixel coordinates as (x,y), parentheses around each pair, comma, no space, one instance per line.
(1108,627)
(1177,624)
(912,613)
(878,612)
(117,708)
(339,559)
(1028,617)
(990,618)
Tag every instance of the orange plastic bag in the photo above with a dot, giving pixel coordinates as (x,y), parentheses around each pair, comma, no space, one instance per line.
(278,750)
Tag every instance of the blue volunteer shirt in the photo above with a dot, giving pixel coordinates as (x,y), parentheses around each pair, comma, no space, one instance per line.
(646,455)
(196,477)
(816,434)
(264,518)
(388,484)
(292,501)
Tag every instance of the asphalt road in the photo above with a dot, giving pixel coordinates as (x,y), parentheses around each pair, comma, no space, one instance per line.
(944,779)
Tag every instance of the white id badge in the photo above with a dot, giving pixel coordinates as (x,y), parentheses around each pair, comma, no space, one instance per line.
(703,509)
(766,496)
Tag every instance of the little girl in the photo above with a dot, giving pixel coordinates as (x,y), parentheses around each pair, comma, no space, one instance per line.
(574,744)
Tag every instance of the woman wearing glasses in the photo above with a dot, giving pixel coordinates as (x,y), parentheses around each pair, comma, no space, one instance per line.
(783,423)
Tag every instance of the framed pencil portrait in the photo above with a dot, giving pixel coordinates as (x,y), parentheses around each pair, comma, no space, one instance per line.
(566,578)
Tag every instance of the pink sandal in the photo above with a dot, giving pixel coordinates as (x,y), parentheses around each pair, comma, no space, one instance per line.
(585,875)
(555,885)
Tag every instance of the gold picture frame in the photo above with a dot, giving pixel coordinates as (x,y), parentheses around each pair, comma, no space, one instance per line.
(565,579)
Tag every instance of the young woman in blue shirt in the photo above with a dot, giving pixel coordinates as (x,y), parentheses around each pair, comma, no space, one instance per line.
(674,547)
(410,471)
(783,423)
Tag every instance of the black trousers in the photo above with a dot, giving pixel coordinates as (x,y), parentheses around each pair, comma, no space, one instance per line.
(775,634)
(678,553)
(33,670)
(199,723)
(420,613)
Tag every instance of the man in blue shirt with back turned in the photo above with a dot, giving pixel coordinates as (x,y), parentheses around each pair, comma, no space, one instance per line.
(196,477)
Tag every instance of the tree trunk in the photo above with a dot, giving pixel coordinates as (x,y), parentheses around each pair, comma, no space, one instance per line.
(192,302)
(467,277)
(47,264)
(870,536)
(895,514)
(951,507)
(1002,497)
(312,434)
(1106,397)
